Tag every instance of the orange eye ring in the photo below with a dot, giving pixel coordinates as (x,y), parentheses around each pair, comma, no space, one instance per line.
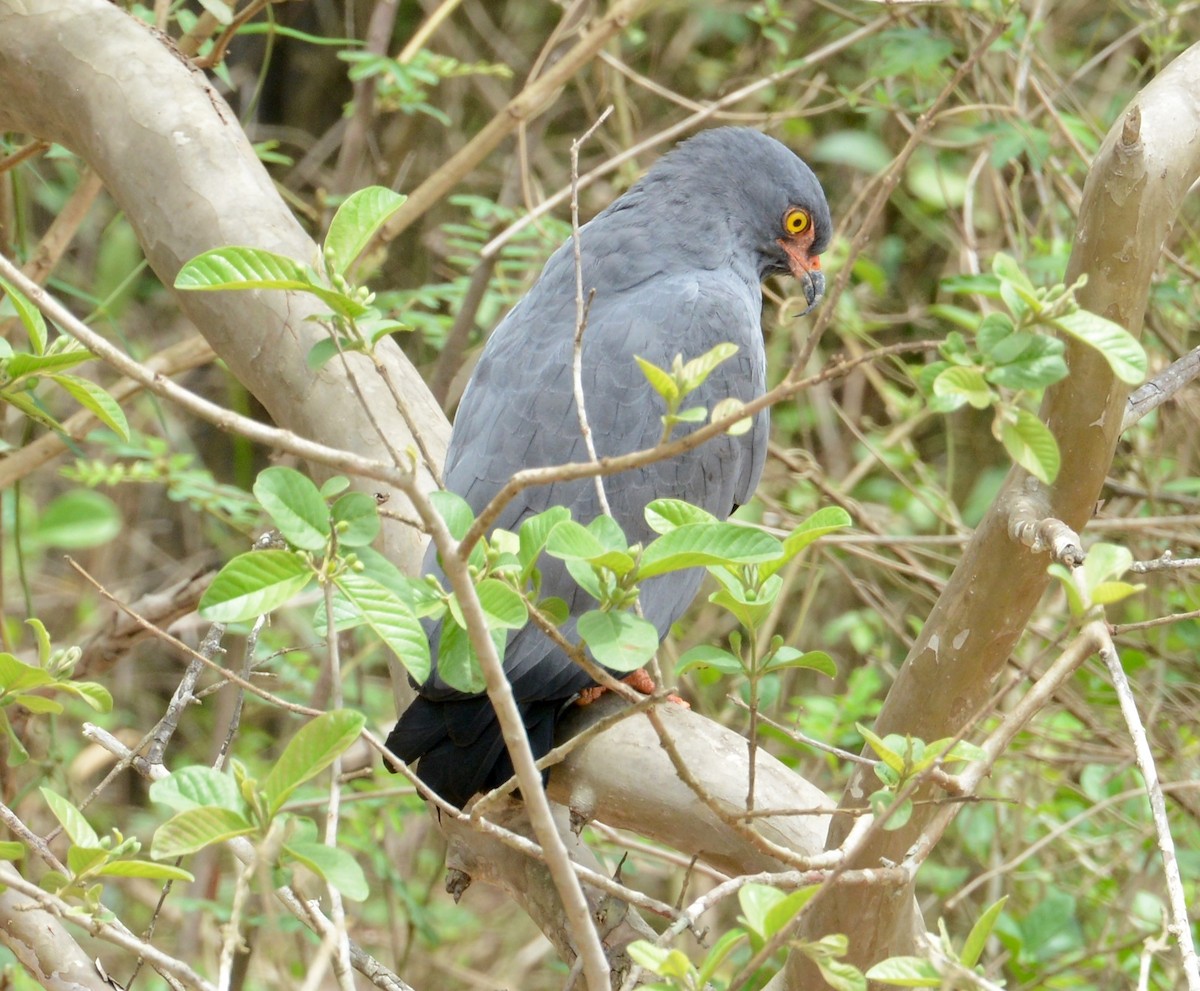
(796,221)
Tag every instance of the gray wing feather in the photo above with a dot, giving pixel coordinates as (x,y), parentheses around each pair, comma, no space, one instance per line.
(519,412)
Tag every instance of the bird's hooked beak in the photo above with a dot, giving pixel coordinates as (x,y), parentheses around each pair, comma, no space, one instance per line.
(807,270)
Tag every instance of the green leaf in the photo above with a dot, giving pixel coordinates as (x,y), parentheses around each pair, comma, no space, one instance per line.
(95,695)
(666,514)
(243,268)
(317,745)
(22,364)
(783,911)
(697,544)
(977,939)
(820,523)
(535,531)
(963,385)
(716,956)
(571,541)
(1029,443)
(840,975)
(358,218)
(94,399)
(659,959)
(728,407)
(390,618)
(29,315)
(196,786)
(699,369)
(37,703)
(11,850)
(72,820)
(455,510)
(503,607)
(620,641)
(145,868)
(706,656)
(889,756)
(358,515)
(295,505)
(1125,356)
(756,901)
(78,519)
(458,666)
(194,829)
(81,859)
(253,584)
(659,379)
(335,866)
(787,657)
(906,972)
(17,676)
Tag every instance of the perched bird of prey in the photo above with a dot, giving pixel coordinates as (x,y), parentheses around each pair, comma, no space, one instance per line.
(676,266)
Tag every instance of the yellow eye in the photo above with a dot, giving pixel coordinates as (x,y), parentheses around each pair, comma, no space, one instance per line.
(796,221)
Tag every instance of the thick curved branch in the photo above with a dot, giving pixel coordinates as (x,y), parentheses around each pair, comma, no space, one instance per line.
(175,159)
(1143,170)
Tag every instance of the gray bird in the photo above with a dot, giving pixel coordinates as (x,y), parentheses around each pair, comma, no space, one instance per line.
(677,265)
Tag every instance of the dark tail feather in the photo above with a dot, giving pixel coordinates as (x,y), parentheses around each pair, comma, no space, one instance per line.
(459,744)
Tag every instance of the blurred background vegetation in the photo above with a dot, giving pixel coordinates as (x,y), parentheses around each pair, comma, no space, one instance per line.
(333,105)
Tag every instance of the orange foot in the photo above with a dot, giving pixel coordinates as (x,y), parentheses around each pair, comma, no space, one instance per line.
(639,680)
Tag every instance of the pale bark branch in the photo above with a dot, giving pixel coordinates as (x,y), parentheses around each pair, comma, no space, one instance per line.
(1146,165)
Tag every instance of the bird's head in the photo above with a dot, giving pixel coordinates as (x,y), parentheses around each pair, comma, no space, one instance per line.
(739,187)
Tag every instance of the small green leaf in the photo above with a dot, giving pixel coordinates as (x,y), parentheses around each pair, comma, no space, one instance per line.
(620,641)
(667,514)
(17,676)
(358,515)
(390,618)
(840,975)
(889,756)
(253,584)
(756,901)
(786,658)
(193,829)
(822,522)
(660,380)
(94,399)
(243,268)
(706,656)
(455,510)
(906,972)
(95,695)
(358,218)
(37,703)
(503,607)
(458,666)
(535,531)
(29,315)
(11,850)
(977,939)
(716,956)
(728,407)
(659,960)
(72,820)
(335,866)
(699,369)
(78,519)
(309,752)
(147,869)
(704,544)
(963,385)
(196,786)
(1029,443)
(1125,356)
(571,541)
(295,505)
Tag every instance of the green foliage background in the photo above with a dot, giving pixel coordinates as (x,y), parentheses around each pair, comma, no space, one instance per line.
(1064,830)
